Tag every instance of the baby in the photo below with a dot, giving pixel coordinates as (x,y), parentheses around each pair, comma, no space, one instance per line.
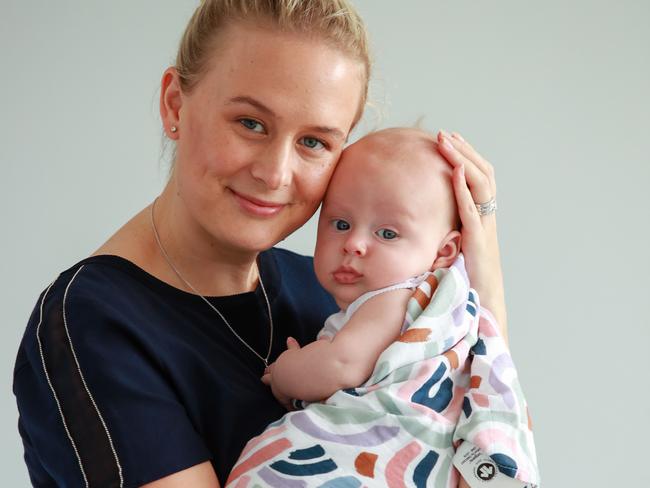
(395,372)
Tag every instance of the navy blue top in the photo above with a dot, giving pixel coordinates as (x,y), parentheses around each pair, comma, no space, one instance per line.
(122,379)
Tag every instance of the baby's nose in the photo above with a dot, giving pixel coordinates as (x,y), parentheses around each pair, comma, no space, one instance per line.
(355,245)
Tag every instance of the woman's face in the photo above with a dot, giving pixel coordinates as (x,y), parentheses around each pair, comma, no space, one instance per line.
(259,135)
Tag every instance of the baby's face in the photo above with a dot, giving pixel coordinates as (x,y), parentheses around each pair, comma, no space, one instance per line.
(387,209)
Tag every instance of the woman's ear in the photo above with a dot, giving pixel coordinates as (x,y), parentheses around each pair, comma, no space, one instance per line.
(170,102)
(448,250)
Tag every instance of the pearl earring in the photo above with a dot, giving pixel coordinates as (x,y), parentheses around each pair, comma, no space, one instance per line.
(173,129)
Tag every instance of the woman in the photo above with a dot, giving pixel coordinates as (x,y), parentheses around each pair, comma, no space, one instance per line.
(142,364)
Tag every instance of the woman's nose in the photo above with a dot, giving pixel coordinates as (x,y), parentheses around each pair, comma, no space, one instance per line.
(355,245)
(274,166)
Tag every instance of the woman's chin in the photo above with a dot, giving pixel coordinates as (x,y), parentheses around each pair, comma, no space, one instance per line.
(255,233)
(256,239)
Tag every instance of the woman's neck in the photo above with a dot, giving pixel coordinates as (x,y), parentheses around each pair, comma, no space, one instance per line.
(202,260)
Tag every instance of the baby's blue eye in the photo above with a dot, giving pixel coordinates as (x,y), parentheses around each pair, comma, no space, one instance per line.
(340,224)
(252,124)
(386,234)
(312,143)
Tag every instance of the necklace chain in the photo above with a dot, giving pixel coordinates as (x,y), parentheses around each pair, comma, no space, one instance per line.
(265,360)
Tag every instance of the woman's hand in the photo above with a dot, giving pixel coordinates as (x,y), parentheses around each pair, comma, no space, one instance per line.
(473,179)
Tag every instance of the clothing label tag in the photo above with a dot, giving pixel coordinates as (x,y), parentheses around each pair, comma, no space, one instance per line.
(480,471)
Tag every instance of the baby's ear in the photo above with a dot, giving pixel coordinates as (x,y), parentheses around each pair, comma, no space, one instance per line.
(448,250)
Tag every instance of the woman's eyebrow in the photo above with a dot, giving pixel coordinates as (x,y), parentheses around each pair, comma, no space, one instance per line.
(332,131)
(251,101)
(338,134)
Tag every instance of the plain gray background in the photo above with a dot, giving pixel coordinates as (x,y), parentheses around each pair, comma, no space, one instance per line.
(553,93)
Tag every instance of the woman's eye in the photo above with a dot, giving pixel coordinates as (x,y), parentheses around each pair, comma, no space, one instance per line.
(340,224)
(312,143)
(387,234)
(252,124)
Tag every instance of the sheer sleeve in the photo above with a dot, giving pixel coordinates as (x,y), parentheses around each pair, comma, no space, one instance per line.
(96,407)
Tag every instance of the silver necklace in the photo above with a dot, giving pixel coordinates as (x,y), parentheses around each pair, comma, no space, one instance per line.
(265,360)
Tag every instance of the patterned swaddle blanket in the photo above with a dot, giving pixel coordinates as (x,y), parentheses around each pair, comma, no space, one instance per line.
(448,378)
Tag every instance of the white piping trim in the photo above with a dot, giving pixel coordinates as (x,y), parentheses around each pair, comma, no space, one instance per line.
(47,376)
(110,440)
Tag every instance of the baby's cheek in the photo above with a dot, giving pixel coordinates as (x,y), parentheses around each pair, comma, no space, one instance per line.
(324,264)
(390,269)
(407,264)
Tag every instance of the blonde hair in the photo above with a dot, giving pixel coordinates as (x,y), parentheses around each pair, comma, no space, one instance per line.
(335,21)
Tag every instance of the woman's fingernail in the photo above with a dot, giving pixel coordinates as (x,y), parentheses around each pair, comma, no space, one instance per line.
(462,170)
(444,133)
(446,144)
(456,135)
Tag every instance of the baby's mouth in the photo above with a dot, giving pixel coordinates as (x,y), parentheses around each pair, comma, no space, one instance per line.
(346,275)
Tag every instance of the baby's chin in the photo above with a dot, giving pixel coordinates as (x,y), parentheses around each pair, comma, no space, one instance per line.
(344,299)
(344,295)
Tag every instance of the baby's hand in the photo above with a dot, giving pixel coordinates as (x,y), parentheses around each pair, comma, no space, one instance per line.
(268,379)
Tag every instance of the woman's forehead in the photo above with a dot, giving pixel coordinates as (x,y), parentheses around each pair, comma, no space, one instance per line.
(287,72)
(246,49)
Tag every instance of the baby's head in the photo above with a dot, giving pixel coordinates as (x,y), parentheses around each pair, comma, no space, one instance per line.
(389,214)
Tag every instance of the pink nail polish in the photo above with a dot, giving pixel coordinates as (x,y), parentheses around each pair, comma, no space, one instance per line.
(447,145)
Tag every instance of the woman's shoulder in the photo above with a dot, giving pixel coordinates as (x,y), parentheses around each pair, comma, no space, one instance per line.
(89,372)
(94,289)
(97,278)
(89,298)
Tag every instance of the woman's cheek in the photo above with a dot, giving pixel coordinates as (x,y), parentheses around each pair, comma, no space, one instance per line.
(315,185)
(328,170)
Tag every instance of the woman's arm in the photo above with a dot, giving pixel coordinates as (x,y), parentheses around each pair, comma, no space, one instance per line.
(321,368)
(199,476)
(474,183)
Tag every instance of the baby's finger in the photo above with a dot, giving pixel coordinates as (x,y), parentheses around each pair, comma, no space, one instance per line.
(292,343)
(266,379)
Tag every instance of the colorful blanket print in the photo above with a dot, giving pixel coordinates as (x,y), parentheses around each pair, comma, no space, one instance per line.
(448,378)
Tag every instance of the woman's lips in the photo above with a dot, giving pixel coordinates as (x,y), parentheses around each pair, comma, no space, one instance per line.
(346,275)
(257,207)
